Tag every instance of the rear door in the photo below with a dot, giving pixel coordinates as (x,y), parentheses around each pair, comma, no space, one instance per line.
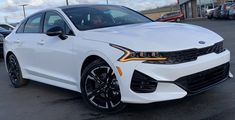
(25,41)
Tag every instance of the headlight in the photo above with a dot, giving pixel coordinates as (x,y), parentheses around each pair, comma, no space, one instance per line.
(130,55)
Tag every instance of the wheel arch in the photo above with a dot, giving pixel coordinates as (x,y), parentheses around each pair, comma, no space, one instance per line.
(8,53)
(6,56)
(92,56)
(88,61)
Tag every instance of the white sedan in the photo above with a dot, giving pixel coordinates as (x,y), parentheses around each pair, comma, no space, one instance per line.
(114,55)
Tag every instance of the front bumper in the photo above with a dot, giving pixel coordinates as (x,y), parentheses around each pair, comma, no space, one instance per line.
(167,75)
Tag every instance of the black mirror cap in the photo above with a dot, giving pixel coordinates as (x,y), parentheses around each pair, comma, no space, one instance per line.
(57,31)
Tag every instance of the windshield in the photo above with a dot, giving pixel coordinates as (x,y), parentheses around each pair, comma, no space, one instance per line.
(101,16)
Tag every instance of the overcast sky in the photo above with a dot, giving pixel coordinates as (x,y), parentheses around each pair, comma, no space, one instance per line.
(14,12)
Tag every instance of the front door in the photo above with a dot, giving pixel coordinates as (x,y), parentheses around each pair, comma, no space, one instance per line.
(55,57)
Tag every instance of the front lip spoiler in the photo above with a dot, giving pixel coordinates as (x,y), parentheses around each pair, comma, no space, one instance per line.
(191,93)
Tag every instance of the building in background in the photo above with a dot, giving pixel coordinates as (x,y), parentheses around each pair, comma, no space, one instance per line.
(156,13)
(197,8)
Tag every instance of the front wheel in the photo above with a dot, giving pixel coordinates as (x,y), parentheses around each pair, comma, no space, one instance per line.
(100,88)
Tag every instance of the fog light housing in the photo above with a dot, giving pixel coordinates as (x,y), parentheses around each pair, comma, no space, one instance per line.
(142,83)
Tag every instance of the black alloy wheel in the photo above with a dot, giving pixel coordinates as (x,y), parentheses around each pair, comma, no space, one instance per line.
(100,87)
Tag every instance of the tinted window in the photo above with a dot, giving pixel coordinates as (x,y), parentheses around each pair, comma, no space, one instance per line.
(33,24)
(210,7)
(52,19)
(100,16)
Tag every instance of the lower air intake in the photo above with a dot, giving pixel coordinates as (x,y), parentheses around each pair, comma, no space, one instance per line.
(205,79)
(142,83)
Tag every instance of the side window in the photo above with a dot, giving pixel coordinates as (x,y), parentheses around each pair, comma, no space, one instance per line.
(21,28)
(33,24)
(52,19)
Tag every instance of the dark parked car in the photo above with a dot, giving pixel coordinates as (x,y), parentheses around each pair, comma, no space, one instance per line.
(232,12)
(221,12)
(1,45)
(7,26)
(3,34)
(171,17)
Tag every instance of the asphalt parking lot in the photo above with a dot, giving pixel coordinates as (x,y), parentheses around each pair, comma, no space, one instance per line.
(43,102)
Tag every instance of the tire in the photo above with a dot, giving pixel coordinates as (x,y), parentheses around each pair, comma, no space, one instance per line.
(231,17)
(100,89)
(178,20)
(209,17)
(14,72)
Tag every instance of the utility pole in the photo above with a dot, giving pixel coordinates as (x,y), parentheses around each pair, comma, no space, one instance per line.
(200,9)
(213,3)
(23,6)
(107,1)
(6,19)
(67,2)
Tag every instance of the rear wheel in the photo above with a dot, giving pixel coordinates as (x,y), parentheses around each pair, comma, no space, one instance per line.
(14,72)
(100,87)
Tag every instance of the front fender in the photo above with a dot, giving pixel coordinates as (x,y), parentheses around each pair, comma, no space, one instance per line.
(106,52)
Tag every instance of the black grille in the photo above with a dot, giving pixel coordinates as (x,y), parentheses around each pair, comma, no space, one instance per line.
(142,83)
(203,80)
(188,55)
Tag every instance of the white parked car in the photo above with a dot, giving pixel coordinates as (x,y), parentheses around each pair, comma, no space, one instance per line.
(114,55)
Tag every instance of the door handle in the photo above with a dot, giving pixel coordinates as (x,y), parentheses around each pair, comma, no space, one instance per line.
(42,42)
(17,41)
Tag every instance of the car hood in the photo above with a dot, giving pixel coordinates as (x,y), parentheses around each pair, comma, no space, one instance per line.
(155,36)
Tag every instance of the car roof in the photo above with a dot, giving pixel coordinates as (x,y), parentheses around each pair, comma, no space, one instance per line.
(83,5)
(172,12)
(70,6)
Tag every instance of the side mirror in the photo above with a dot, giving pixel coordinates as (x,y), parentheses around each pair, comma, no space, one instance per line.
(57,31)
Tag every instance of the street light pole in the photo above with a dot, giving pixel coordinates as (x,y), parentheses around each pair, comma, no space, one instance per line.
(67,2)
(23,6)
(200,8)
(213,3)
